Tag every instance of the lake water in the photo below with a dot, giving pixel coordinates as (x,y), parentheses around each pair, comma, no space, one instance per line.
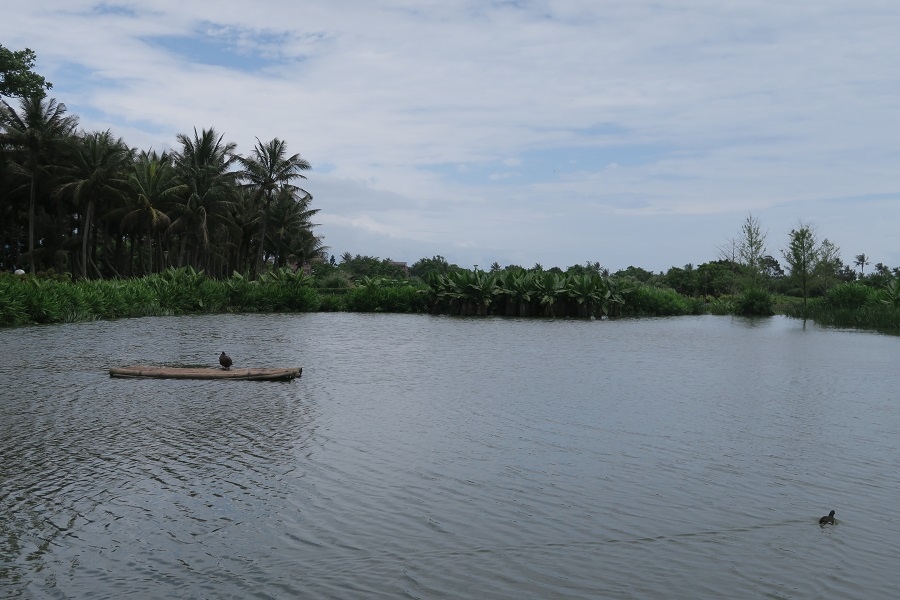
(437,457)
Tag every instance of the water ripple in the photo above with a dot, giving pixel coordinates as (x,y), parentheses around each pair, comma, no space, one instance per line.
(423,457)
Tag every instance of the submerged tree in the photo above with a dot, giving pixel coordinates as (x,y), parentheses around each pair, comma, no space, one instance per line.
(810,260)
(802,255)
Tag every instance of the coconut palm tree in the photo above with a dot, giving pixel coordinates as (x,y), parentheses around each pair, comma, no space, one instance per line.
(35,134)
(291,229)
(267,171)
(861,261)
(98,171)
(153,185)
(203,210)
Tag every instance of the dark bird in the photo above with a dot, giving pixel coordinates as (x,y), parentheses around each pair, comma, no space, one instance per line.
(827,519)
(225,361)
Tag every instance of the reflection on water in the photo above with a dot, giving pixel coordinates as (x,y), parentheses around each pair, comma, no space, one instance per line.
(458,458)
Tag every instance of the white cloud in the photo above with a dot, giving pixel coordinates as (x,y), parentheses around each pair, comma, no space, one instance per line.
(441,122)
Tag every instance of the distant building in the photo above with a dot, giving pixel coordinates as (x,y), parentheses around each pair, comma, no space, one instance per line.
(401,265)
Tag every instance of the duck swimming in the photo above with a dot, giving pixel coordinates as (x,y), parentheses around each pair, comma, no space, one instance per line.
(827,519)
(225,361)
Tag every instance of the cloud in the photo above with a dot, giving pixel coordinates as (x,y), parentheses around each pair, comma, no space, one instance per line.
(481,128)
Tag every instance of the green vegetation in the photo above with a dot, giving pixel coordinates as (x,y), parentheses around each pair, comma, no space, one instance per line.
(27,300)
(88,204)
(17,76)
(579,292)
(203,230)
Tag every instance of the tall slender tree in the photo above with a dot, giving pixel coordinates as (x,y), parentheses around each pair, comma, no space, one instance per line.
(810,260)
(267,171)
(861,261)
(152,187)
(291,234)
(205,206)
(35,133)
(752,248)
(98,172)
(801,255)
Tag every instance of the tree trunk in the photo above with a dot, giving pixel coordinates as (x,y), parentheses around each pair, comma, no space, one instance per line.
(262,238)
(31,226)
(85,257)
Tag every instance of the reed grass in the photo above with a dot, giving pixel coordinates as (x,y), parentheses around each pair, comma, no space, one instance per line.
(876,315)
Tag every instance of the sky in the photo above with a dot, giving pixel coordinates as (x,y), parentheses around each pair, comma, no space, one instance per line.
(552,132)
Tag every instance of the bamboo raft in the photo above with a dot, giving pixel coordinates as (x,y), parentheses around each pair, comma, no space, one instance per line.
(283,374)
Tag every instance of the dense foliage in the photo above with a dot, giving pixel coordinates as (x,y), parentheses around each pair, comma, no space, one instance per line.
(27,300)
(17,76)
(88,204)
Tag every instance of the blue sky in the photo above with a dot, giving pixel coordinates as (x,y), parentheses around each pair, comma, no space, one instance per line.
(555,132)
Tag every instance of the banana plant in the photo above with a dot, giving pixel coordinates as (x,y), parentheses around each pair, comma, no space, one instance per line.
(550,289)
(439,291)
(891,294)
(614,295)
(482,288)
(516,288)
(588,290)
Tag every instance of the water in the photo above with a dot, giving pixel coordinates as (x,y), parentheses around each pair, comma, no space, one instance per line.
(433,457)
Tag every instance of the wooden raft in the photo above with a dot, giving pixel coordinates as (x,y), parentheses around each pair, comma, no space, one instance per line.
(284,374)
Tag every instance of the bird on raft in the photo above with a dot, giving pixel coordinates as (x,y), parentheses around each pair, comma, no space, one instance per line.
(225,361)
(827,519)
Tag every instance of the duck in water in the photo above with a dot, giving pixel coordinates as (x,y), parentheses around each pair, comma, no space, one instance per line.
(225,361)
(827,519)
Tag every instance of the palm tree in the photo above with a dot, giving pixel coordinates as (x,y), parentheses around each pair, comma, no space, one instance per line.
(152,186)
(97,172)
(207,200)
(291,233)
(861,261)
(34,134)
(267,171)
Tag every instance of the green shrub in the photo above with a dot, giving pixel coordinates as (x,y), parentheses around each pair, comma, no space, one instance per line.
(13,301)
(402,299)
(300,298)
(212,295)
(645,300)
(334,280)
(332,303)
(754,302)
(720,306)
(850,295)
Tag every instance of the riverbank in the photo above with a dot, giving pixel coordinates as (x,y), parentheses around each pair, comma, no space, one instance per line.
(26,300)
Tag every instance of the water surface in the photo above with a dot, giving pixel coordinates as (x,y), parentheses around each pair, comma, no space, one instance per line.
(437,457)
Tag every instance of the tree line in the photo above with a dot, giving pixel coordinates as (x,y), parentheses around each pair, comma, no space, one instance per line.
(86,203)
